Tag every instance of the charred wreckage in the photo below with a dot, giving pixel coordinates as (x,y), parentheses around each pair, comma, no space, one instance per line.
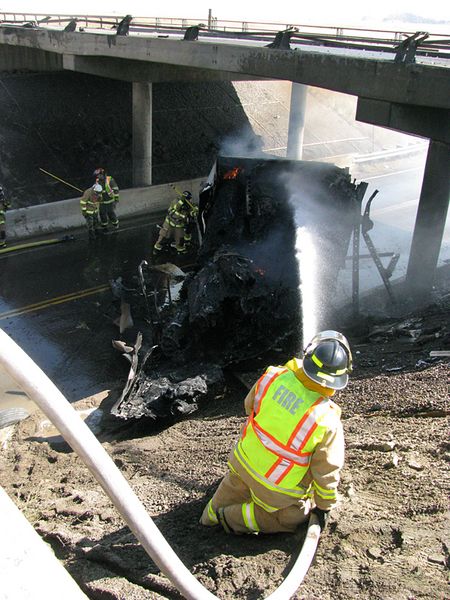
(241,300)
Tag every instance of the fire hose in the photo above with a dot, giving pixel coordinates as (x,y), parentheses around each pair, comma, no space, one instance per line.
(27,245)
(77,434)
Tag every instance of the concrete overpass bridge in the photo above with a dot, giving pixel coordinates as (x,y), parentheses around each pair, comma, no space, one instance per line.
(401,80)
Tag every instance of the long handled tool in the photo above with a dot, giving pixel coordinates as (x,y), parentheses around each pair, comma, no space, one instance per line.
(61,180)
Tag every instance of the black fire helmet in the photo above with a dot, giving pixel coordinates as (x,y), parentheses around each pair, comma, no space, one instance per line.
(327,359)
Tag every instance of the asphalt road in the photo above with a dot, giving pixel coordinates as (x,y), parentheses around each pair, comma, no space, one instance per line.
(56,303)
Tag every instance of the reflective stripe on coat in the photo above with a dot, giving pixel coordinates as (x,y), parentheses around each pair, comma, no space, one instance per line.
(287,423)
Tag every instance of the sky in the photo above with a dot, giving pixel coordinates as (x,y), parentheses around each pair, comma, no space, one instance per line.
(324,12)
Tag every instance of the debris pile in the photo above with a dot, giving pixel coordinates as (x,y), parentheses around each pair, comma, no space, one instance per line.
(167,392)
(408,331)
(242,299)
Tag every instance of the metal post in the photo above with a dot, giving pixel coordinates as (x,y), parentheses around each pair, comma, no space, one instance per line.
(430,222)
(210,18)
(360,191)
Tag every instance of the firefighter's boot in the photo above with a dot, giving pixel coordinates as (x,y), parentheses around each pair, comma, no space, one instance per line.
(179,249)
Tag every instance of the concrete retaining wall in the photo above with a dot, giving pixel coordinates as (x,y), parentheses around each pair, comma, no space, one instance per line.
(66,214)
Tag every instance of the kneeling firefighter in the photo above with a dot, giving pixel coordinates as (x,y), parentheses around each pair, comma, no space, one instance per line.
(287,460)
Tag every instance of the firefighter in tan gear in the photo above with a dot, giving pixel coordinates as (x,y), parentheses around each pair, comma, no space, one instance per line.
(181,211)
(287,460)
(108,199)
(4,205)
(89,203)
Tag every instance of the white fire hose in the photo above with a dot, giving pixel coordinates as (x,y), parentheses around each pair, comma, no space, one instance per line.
(77,434)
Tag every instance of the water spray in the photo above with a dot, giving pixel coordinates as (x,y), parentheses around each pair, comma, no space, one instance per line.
(306,255)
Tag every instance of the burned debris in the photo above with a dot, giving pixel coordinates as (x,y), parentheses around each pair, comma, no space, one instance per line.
(242,298)
(167,391)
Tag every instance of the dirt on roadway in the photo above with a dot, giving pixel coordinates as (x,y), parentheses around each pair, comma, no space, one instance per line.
(388,540)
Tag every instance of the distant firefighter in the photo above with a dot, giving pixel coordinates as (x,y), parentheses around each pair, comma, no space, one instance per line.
(287,460)
(180,214)
(89,204)
(108,199)
(4,205)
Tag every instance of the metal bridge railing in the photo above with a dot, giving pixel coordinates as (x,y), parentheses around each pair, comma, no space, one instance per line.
(405,44)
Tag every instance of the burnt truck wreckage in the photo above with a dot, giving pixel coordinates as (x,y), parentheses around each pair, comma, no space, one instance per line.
(241,300)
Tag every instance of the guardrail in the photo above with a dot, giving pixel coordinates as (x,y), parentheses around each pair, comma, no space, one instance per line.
(405,44)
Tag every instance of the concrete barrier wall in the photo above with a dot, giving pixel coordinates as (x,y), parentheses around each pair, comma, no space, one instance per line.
(28,567)
(66,214)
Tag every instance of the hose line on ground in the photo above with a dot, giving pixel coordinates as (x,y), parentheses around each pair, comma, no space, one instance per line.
(29,245)
(77,434)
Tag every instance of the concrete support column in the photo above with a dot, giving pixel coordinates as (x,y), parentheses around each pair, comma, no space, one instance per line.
(142,134)
(296,121)
(430,222)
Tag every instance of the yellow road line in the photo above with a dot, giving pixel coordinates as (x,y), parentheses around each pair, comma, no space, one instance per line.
(54,301)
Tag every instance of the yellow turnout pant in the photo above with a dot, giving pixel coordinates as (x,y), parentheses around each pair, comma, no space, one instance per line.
(234,507)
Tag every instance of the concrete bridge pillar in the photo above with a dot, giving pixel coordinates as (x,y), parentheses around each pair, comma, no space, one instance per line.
(296,121)
(142,134)
(430,222)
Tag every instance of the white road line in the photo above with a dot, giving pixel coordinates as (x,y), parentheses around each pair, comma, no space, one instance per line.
(394,207)
(355,139)
(391,174)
